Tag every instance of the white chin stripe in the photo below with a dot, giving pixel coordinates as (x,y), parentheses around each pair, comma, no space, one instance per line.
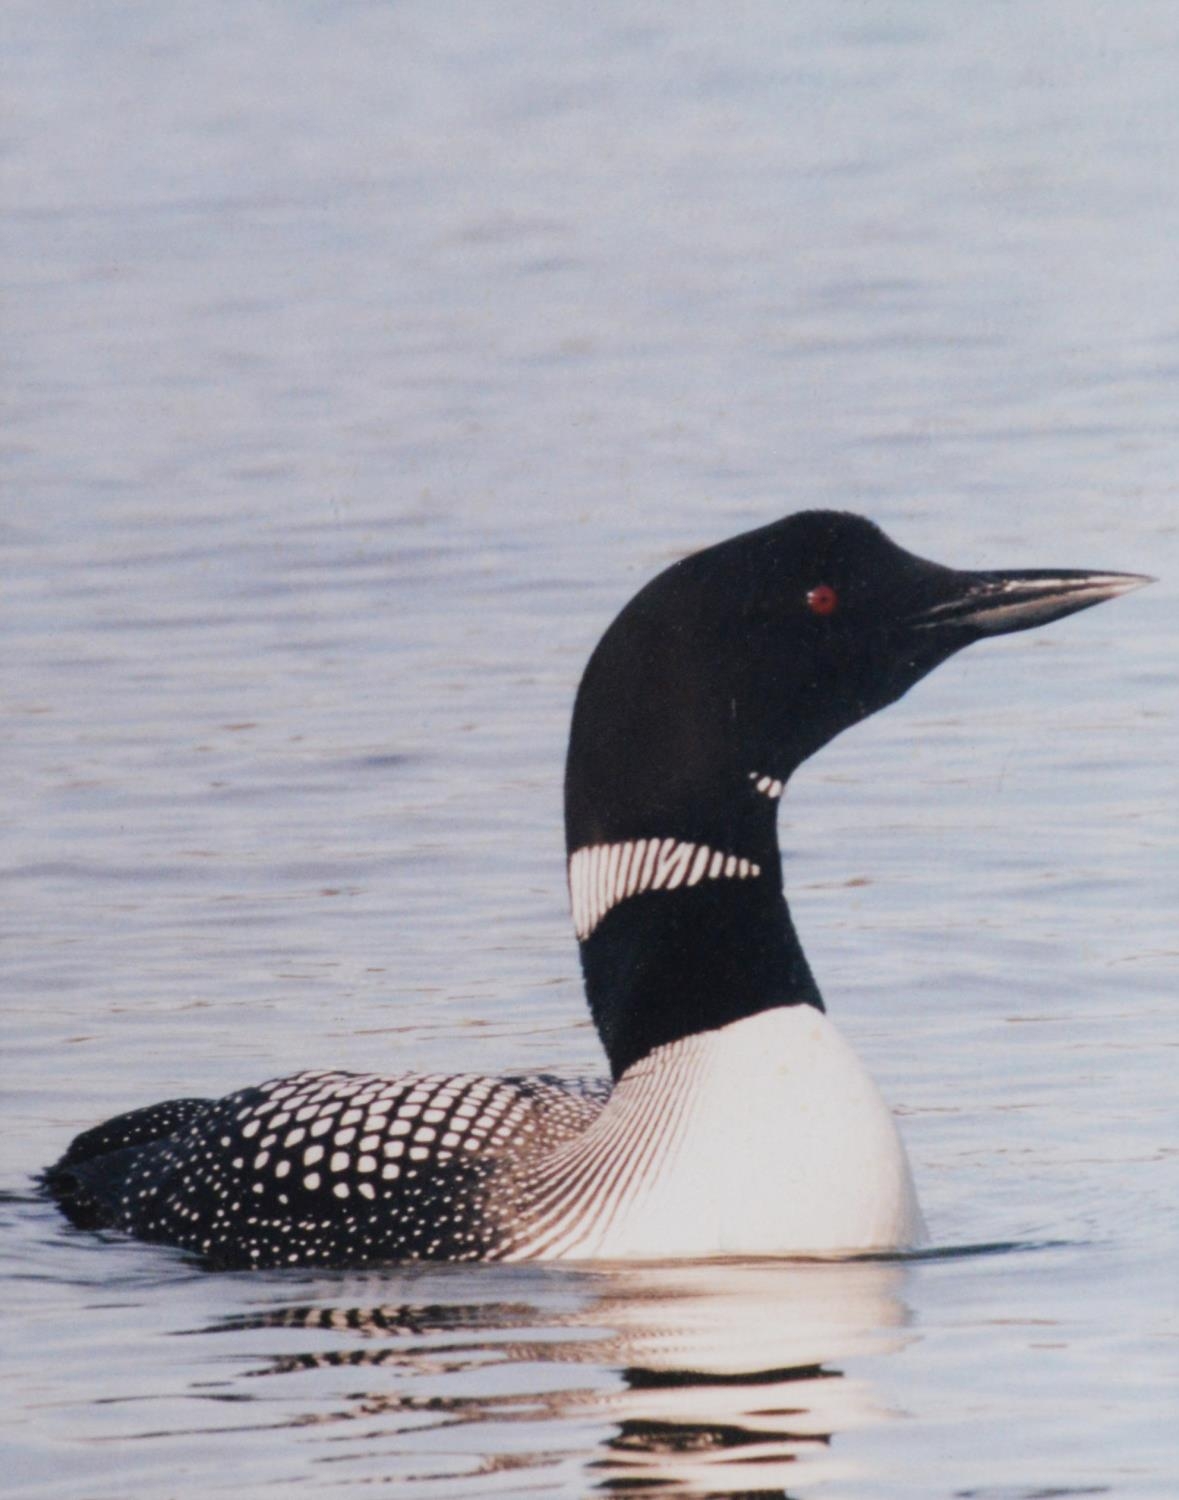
(602,875)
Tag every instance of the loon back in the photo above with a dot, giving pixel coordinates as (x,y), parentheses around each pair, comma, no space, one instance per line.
(737,1120)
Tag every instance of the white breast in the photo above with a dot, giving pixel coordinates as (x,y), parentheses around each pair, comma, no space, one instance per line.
(766,1136)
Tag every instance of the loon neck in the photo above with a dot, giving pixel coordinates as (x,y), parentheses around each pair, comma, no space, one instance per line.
(685,928)
(684,733)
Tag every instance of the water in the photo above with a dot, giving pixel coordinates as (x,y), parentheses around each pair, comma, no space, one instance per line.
(359,362)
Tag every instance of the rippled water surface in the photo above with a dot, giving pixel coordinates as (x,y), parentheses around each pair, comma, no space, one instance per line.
(359,362)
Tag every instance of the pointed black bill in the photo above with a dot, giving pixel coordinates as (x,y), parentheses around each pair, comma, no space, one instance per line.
(997,603)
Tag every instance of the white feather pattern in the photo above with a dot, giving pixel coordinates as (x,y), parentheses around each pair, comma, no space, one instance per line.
(602,875)
(766,1136)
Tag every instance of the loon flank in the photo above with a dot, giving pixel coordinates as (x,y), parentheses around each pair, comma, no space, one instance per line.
(736,1119)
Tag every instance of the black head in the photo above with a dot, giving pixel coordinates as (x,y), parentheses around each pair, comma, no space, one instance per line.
(712,685)
(749,656)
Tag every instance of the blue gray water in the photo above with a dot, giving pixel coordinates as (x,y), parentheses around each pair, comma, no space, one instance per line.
(359,361)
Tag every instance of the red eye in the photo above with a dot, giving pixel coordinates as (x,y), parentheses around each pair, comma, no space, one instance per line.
(822,600)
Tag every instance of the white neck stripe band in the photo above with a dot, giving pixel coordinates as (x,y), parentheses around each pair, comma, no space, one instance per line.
(602,875)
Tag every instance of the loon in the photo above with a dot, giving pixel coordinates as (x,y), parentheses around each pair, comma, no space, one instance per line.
(736,1120)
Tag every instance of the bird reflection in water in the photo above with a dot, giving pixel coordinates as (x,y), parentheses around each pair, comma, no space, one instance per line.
(704,1378)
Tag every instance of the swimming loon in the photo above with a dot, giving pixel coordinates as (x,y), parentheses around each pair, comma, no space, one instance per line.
(737,1120)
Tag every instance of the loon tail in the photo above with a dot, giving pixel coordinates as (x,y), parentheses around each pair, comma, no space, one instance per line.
(88,1179)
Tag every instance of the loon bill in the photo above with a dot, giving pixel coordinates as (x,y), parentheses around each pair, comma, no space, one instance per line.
(736,1119)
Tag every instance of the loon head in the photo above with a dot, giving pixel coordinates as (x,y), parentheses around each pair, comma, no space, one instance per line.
(713,684)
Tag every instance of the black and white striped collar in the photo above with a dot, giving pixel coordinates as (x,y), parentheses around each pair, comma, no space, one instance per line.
(603,875)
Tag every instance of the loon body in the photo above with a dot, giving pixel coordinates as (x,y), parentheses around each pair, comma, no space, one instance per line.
(736,1119)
